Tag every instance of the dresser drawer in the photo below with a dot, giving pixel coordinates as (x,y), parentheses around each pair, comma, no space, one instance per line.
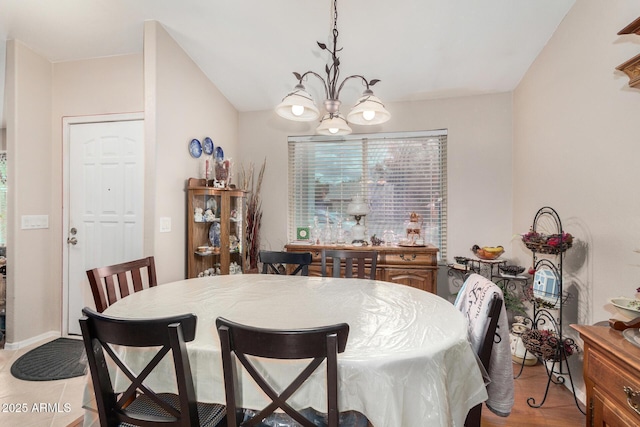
(419,259)
(610,379)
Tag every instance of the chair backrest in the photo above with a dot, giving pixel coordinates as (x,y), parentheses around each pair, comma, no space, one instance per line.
(475,288)
(126,276)
(101,332)
(361,258)
(474,416)
(273,260)
(317,343)
(484,353)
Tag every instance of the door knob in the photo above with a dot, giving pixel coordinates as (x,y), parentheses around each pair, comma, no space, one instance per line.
(72,241)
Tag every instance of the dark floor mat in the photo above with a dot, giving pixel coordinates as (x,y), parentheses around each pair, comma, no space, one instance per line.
(56,360)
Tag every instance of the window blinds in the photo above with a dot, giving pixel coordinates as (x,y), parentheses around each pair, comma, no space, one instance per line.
(396,173)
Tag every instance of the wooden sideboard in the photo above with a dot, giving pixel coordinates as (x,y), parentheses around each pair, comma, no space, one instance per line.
(412,266)
(611,376)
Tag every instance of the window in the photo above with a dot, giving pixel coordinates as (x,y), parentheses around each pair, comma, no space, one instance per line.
(397,174)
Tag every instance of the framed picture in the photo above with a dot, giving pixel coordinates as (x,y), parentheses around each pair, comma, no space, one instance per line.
(302,233)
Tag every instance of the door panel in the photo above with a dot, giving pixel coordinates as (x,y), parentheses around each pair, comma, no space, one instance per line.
(105,203)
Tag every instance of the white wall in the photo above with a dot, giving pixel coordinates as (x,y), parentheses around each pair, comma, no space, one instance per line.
(479,164)
(180,104)
(29,148)
(39,95)
(576,149)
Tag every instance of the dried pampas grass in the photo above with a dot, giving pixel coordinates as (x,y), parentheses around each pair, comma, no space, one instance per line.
(253,218)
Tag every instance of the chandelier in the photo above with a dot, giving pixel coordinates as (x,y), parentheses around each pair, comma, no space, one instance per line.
(298,105)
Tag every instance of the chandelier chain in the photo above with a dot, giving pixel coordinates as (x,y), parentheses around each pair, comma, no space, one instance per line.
(299,104)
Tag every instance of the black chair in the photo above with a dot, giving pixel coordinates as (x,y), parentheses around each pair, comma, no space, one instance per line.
(317,343)
(484,351)
(274,262)
(127,276)
(361,259)
(138,405)
(484,354)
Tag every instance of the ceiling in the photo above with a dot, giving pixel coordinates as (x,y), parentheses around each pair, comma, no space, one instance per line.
(419,49)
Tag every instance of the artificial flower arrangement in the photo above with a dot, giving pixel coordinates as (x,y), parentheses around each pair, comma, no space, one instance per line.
(546,344)
(547,244)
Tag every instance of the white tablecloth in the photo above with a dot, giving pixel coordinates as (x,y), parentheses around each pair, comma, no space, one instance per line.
(407,361)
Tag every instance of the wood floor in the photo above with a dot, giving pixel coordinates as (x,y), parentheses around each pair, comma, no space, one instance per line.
(558,410)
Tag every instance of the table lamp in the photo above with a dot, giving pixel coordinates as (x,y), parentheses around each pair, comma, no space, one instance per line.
(358,208)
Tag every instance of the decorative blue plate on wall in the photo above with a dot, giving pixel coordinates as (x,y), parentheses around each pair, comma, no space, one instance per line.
(219,153)
(195,148)
(207,146)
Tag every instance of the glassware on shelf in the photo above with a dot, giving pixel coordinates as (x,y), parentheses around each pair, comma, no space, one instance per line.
(341,237)
(327,237)
(389,237)
(316,231)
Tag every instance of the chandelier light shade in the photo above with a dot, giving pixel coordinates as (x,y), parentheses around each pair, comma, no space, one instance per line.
(333,124)
(369,110)
(298,105)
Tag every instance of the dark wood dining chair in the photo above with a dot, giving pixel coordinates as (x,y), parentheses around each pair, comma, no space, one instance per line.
(127,277)
(484,354)
(361,258)
(139,405)
(319,344)
(274,262)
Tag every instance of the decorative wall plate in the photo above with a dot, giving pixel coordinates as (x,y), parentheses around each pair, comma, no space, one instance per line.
(207,146)
(219,153)
(195,148)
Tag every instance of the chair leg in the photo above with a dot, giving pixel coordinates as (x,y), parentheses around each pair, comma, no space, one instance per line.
(474,416)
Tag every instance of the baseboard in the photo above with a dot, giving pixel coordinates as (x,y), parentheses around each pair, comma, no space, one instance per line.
(33,340)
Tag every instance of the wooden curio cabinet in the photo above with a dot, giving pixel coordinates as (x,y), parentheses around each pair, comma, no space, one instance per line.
(215,229)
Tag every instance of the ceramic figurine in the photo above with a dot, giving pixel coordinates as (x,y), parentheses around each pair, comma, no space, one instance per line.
(197,216)
(414,229)
(209,216)
(211,204)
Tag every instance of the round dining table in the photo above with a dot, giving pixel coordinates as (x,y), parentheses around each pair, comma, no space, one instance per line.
(408,361)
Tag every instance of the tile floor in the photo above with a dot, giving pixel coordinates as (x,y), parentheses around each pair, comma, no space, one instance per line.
(38,397)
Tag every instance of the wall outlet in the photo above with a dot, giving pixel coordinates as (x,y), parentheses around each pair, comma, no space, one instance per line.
(165,224)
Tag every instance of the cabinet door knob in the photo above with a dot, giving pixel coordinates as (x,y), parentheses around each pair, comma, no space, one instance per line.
(633,398)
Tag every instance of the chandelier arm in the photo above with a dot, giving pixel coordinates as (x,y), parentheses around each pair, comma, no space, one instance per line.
(352,77)
(324,83)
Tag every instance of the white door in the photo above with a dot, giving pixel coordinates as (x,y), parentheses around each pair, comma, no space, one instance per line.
(105,204)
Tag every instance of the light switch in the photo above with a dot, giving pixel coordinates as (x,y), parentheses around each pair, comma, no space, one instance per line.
(165,224)
(32,222)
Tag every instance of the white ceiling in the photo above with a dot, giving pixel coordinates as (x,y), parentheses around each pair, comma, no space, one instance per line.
(419,49)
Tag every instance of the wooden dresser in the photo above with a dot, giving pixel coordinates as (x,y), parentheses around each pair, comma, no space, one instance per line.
(612,377)
(412,266)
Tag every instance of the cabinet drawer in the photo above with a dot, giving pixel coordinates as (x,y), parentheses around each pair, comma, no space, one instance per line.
(611,380)
(419,259)
(415,278)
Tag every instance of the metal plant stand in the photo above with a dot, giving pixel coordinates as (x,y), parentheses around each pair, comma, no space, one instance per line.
(546,339)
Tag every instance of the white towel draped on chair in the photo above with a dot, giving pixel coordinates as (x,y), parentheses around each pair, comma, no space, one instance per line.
(473,301)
